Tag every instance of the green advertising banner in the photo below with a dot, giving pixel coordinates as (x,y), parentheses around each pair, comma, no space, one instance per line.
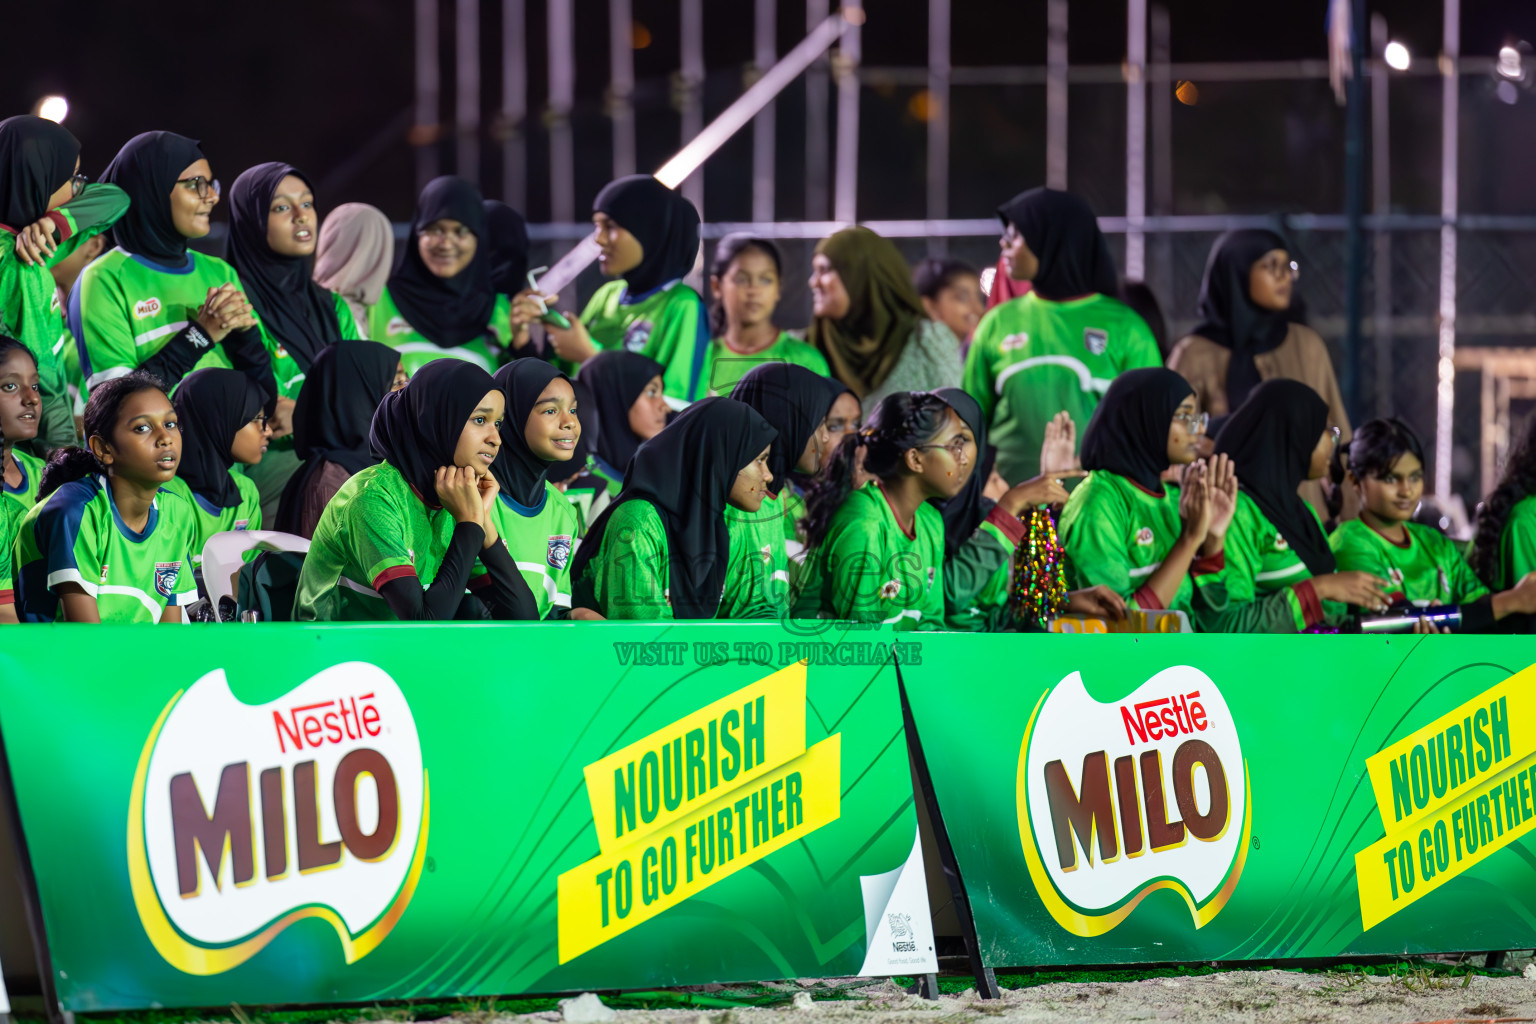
(275,814)
(1180,798)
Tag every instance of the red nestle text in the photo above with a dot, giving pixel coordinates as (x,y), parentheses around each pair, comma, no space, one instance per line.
(1163,718)
(331,721)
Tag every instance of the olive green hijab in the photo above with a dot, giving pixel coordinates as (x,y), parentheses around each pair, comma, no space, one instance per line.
(883,309)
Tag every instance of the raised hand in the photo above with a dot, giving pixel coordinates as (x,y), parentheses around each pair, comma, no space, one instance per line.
(1058,453)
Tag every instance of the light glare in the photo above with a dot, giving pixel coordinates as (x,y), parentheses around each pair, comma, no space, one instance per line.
(53,108)
(1396,56)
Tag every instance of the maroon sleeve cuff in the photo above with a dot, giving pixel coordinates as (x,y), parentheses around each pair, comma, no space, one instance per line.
(7,597)
(1311,604)
(1012,526)
(1208,564)
(1146,599)
(394,572)
(60,224)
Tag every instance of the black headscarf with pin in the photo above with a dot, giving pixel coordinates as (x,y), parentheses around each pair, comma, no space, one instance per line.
(37,158)
(664,223)
(1128,433)
(147,168)
(686,472)
(212,406)
(417,428)
(448,311)
(1063,233)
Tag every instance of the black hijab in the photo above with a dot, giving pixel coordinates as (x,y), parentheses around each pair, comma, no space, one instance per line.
(615,379)
(965,511)
(1228,314)
(447,311)
(297,312)
(687,472)
(519,471)
(211,407)
(37,156)
(417,428)
(795,403)
(665,224)
(1062,232)
(1128,433)
(508,232)
(147,168)
(1270,440)
(335,409)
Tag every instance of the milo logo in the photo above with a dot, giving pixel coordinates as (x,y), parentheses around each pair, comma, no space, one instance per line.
(1117,799)
(245,819)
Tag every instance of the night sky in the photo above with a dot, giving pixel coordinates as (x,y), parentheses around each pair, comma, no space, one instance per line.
(313,83)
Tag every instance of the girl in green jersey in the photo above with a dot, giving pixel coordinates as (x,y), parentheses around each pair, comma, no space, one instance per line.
(39,165)
(1386,468)
(745,285)
(1280,574)
(539,437)
(648,236)
(1504,546)
(876,553)
(795,402)
(21,404)
(222,424)
(107,542)
(400,540)
(439,301)
(153,304)
(661,549)
(628,408)
(1151,544)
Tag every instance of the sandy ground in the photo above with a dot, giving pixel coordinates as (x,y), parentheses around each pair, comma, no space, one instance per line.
(1335,997)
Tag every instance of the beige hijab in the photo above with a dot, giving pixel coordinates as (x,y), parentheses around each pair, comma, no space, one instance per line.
(354,256)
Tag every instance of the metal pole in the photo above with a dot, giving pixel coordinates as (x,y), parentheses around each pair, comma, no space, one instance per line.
(817,164)
(1161,276)
(846,200)
(1381,204)
(692,76)
(765,125)
(621,85)
(514,103)
(1354,208)
(1056,93)
(424,132)
(1445,390)
(1135,140)
(938,119)
(467,99)
(562,97)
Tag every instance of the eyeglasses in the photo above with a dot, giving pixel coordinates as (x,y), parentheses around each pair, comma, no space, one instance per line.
(201,185)
(77,184)
(1281,268)
(438,234)
(1195,422)
(956,448)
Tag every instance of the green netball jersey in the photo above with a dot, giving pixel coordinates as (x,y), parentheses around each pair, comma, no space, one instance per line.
(629,578)
(1117,534)
(1517,544)
(290,377)
(1031,357)
(10,524)
(387,324)
(978,578)
(667,324)
(723,366)
(1425,570)
(1257,592)
(867,569)
(540,539)
(77,536)
(374,530)
(212,519)
(25,494)
(757,573)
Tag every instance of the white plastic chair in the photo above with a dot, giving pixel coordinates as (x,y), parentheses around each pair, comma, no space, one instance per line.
(225,553)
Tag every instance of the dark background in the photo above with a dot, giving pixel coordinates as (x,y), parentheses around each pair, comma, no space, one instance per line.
(314,83)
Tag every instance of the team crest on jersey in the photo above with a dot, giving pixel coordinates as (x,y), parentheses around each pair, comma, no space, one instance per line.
(638,335)
(1144,536)
(889,589)
(1395,576)
(146,308)
(559,554)
(1281,544)
(1014,341)
(397,325)
(1095,340)
(165,578)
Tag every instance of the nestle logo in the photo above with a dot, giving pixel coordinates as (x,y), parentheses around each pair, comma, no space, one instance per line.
(312,725)
(1164,718)
(146,307)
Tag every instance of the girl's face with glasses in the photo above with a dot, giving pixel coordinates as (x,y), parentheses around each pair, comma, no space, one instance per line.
(190,210)
(947,461)
(1184,433)
(1270,280)
(250,442)
(446,247)
(65,192)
